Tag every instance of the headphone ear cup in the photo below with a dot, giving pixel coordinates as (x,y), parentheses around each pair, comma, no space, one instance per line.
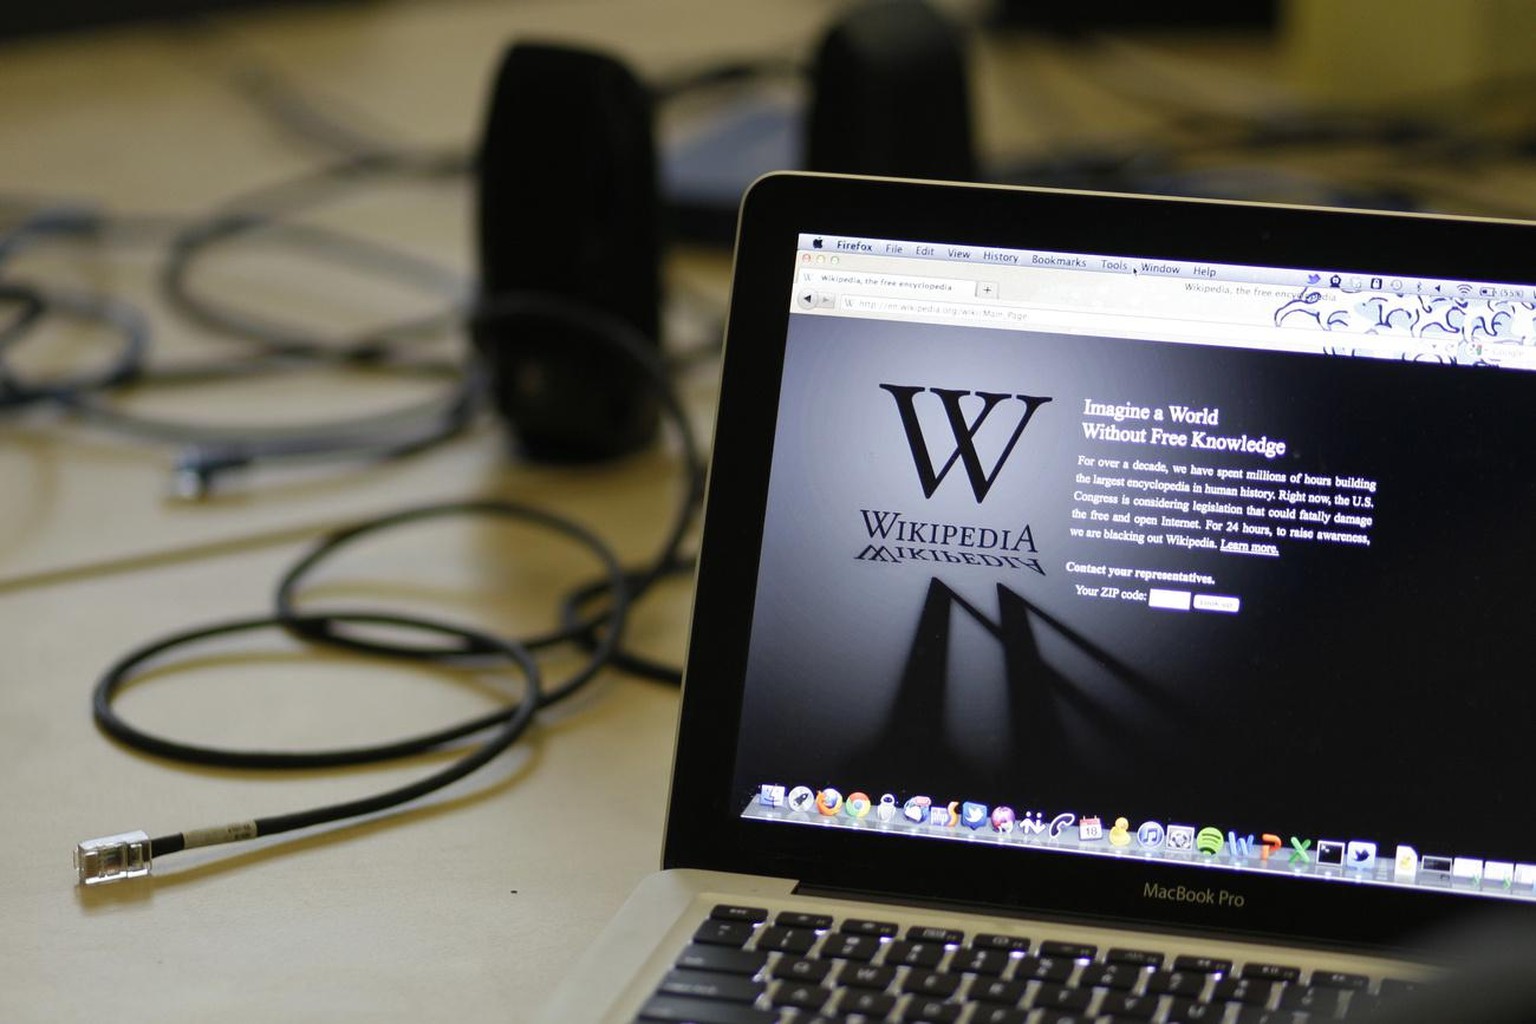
(568,209)
(891,95)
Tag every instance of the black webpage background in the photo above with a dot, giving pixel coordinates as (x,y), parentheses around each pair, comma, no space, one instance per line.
(1378,693)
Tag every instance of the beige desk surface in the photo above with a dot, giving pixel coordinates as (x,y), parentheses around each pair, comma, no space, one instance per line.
(467,907)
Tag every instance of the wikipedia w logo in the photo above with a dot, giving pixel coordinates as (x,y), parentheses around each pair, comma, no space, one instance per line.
(963,430)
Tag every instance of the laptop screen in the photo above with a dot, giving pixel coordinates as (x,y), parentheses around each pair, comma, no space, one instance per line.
(1098,555)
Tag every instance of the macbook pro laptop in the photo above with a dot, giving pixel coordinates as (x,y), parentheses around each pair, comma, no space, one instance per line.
(1109,608)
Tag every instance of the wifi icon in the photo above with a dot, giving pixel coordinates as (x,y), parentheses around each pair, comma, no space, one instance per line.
(1209,841)
(1464,289)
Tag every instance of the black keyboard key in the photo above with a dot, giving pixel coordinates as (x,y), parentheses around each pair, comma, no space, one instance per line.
(913,954)
(1129,1007)
(1398,987)
(1339,979)
(879,929)
(1248,991)
(999,1015)
(683,1010)
(1059,997)
(971,960)
(1202,964)
(1063,1017)
(930,984)
(786,940)
(868,976)
(810,972)
(727,988)
(1068,950)
(728,912)
(797,919)
(1116,976)
(1259,1015)
(1320,1002)
(931,1011)
(807,997)
(723,933)
(1176,983)
(1190,1011)
(1135,957)
(850,947)
(721,958)
(874,1005)
(943,936)
(1363,1004)
(1006,943)
(1039,968)
(1272,972)
(997,991)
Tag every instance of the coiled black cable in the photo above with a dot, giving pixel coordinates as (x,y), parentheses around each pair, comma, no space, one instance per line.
(587,635)
(600,633)
(122,319)
(275,337)
(507,723)
(608,335)
(207,451)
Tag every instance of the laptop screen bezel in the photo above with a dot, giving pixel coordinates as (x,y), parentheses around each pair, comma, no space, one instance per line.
(705,829)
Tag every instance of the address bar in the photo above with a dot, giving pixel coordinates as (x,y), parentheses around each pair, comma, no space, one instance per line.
(1094,322)
(949,312)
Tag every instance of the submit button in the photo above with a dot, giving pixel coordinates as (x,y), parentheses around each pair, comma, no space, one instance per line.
(1217,603)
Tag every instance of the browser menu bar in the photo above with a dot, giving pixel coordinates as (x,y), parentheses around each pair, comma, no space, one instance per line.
(829,249)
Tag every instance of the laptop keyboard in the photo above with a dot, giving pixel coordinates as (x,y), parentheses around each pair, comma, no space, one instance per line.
(747,966)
